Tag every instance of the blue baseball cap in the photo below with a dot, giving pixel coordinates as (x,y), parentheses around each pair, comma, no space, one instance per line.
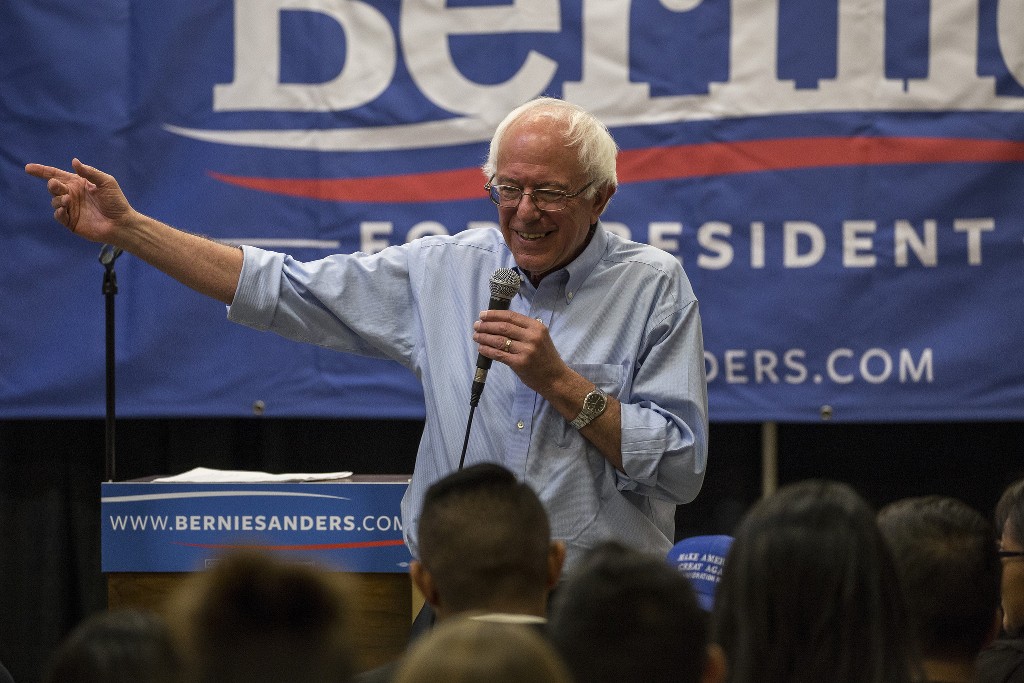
(700,559)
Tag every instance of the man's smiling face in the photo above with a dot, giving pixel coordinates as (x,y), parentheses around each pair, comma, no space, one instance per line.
(533,156)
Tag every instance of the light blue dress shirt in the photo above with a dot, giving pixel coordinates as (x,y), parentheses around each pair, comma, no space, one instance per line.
(622,314)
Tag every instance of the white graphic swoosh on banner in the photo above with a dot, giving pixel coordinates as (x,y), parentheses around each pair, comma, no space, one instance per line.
(212,494)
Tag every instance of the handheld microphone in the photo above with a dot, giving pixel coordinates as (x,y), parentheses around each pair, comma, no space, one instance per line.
(504,285)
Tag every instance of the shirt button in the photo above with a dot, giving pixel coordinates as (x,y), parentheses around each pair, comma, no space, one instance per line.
(520,424)
(569,296)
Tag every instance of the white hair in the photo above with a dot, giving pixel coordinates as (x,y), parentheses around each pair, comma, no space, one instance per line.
(595,148)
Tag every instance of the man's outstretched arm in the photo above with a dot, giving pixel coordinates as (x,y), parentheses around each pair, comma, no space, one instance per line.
(91,204)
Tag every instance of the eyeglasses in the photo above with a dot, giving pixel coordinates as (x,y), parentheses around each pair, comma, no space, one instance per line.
(1010,553)
(509,196)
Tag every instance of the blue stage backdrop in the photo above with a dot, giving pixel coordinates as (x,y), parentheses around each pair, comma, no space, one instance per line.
(842,180)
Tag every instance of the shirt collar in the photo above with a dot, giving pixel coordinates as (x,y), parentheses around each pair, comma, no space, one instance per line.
(508,618)
(583,265)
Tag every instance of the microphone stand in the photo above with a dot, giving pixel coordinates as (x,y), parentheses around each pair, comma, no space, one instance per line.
(108,255)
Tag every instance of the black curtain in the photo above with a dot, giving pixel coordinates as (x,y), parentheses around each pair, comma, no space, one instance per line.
(50,475)
(51,470)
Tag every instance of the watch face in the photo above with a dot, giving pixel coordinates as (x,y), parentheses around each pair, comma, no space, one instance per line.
(594,404)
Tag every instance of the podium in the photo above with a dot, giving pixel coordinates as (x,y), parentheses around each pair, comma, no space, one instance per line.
(154,534)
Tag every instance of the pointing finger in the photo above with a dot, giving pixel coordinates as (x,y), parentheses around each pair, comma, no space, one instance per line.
(45,172)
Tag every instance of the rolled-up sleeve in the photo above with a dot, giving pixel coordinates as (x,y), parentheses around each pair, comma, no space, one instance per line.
(665,420)
(356,303)
(258,290)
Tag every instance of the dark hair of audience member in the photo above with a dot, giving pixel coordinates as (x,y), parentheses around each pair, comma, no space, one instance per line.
(1009,511)
(120,646)
(624,615)
(949,568)
(479,559)
(252,617)
(810,593)
(467,650)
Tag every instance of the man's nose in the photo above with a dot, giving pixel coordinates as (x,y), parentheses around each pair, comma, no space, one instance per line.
(527,208)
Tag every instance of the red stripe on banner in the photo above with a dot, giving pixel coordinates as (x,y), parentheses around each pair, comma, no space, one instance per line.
(464,183)
(658,163)
(724,158)
(316,546)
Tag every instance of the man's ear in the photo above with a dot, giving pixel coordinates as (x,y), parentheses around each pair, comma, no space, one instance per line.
(556,558)
(424,582)
(714,665)
(600,202)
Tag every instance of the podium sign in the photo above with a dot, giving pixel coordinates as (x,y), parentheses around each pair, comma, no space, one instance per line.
(351,526)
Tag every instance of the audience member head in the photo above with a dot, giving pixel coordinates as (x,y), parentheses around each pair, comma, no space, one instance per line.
(949,574)
(809,592)
(467,650)
(700,559)
(1009,522)
(121,646)
(484,543)
(255,618)
(626,615)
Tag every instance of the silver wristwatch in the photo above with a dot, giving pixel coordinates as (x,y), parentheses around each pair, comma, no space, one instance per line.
(593,405)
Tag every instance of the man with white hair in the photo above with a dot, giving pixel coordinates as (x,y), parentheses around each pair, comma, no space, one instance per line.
(598,399)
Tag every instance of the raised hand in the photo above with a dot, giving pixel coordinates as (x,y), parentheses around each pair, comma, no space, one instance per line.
(523,344)
(88,202)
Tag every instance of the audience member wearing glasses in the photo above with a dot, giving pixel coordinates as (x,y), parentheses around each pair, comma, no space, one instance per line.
(1003,660)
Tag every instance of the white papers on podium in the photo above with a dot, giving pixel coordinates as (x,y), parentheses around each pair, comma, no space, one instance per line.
(205,475)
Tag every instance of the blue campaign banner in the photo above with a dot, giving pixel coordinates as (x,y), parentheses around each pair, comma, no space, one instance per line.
(840,179)
(171,527)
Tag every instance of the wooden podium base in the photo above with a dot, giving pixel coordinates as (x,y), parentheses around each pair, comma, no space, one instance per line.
(382,610)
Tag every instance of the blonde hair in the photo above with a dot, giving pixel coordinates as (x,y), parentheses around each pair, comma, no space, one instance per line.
(253,617)
(465,649)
